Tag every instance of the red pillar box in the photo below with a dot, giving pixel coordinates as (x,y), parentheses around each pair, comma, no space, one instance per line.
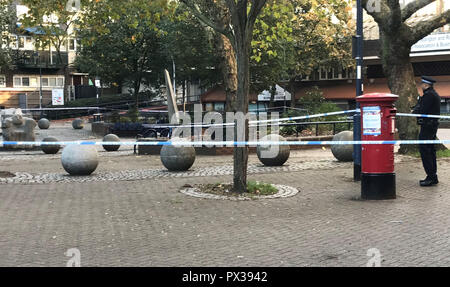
(377,161)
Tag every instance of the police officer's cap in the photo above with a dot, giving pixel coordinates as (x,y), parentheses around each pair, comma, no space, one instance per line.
(428,80)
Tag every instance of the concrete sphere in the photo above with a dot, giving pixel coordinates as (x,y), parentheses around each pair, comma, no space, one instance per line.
(43,124)
(78,124)
(50,149)
(111,138)
(177,158)
(79,159)
(343,152)
(273,155)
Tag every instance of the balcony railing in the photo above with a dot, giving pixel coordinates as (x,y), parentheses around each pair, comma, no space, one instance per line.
(41,59)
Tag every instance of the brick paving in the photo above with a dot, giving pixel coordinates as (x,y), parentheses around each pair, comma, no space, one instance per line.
(148,222)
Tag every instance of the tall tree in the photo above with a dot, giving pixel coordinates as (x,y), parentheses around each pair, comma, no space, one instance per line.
(7,22)
(273,53)
(397,36)
(190,46)
(295,37)
(243,14)
(55,23)
(122,41)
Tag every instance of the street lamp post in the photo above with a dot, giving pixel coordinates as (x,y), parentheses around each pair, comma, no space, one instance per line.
(359,90)
(36,54)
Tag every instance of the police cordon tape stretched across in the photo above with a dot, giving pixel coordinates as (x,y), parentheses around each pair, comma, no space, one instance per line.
(249,143)
(256,123)
(231,143)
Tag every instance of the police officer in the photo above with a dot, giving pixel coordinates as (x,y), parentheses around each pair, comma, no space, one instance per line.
(429,104)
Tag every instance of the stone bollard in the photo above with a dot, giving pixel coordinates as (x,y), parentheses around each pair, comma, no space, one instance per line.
(343,152)
(78,124)
(43,124)
(111,138)
(179,158)
(79,159)
(50,149)
(273,155)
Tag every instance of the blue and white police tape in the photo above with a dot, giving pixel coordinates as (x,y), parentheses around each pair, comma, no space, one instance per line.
(258,122)
(64,109)
(422,116)
(228,143)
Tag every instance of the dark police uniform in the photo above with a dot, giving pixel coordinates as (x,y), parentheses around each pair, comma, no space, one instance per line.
(429,104)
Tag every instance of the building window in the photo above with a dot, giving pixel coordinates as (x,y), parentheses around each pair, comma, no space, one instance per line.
(219,107)
(21,42)
(209,107)
(72,44)
(33,82)
(2,81)
(25,81)
(29,43)
(52,82)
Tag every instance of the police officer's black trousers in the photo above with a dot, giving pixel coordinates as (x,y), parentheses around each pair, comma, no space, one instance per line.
(428,151)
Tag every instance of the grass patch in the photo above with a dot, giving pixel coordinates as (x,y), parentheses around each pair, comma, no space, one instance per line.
(254,188)
(439,154)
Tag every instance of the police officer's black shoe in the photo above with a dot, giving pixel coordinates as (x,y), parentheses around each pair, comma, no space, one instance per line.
(429,181)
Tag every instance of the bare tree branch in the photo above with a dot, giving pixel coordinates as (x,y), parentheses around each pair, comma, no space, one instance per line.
(203,18)
(381,17)
(256,9)
(424,28)
(394,20)
(413,7)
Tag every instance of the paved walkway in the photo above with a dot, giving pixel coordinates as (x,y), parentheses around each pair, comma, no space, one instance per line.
(148,222)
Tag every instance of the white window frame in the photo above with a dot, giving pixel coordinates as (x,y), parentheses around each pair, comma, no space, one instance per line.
(4,81)
(56,78)
(18,42)
(74,44)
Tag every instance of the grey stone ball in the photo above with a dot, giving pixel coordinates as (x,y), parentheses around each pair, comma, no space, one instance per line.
(179,158)
(343,152)
(43,124)
(50,149)
(79,159)
(78,124)
(273,155)
(111,138)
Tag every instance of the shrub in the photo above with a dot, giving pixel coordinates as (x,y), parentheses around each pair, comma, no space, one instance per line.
(315,103)
(133,115)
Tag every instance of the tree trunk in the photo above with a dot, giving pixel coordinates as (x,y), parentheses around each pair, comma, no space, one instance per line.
(292,91)
(137,86)
(400,74)
(273,91)
(241,153)
(228,69)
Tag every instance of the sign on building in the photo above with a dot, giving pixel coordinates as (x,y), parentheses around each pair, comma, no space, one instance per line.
(58,97)
(434,42)
(280,95)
